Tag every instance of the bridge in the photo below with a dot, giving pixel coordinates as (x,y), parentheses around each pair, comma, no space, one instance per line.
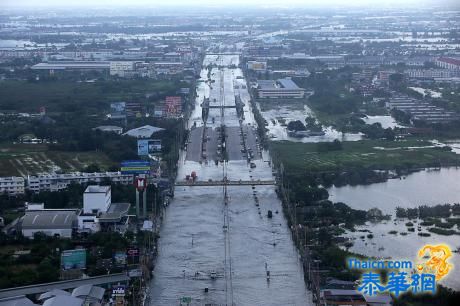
(64,285)
(227,183)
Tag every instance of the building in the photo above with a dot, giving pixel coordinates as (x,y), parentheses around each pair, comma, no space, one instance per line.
(92,295)
(282,88)
(12,185)
(431,73)
(96,199)
(145,131)
(56,182)
(299,72)
(52,222)
(122,68)
(448,63)
(335,297)
(100,214)
(109,129)
(257,65)
(422,110)
(72,65)
(167,68)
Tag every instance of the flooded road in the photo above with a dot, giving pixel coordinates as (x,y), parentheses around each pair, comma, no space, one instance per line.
(223,240)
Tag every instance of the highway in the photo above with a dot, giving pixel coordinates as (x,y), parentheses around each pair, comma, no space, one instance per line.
(217,242)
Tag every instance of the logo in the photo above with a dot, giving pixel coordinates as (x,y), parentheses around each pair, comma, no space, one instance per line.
(404,275)
(437,260)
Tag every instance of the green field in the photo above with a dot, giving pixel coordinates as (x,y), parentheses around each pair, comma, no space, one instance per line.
(70,96)
(370,154)
(23,159)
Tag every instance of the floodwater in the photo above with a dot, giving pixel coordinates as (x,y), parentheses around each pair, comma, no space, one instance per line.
(277,130)
(386,121)
(196,251)
(386,245)
(427,187)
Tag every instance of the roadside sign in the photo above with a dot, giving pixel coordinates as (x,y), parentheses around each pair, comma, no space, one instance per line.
(140,183)
(148,146)
(132,252)
(119,258)
(135,273)
(73,259)
(186,299)
(119,291)
(135,167)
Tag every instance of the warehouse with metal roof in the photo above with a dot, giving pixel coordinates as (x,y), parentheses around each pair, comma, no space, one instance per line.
(50,222)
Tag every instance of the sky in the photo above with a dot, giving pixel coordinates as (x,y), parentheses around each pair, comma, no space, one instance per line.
(196,3)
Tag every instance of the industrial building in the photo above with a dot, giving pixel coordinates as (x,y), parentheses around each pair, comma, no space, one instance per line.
(52,222)
(281,88)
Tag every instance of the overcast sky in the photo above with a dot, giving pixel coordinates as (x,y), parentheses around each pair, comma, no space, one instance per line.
(196,3)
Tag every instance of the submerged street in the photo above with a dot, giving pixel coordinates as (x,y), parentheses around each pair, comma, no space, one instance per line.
(218,244)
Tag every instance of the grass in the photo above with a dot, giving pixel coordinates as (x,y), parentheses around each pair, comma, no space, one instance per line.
(21,160)
(370,154)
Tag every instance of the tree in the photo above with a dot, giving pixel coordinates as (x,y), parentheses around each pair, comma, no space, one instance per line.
(296,125)
(47,271)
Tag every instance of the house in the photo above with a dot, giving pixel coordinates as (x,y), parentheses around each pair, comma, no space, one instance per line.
(145,131)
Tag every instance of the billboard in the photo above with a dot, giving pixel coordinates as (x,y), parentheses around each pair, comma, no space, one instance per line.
(117,107)
(173,106)
(119,258)
(148,146)
(73,259)
(135,167)
(140,183)
(118,291)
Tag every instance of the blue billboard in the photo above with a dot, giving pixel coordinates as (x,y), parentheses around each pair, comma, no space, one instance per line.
(148,146)
(135,167)
(73,259)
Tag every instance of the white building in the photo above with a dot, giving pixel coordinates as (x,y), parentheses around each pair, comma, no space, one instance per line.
(96,199)
(56,182)
(431,73)
(12,185)
(99,213)
(282,88)
(122,68)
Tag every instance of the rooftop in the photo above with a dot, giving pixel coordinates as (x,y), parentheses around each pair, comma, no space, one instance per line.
(90,291)
(49,219)
(115,212)
(97,189)
(280,84)
(63,300)
(143,132)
